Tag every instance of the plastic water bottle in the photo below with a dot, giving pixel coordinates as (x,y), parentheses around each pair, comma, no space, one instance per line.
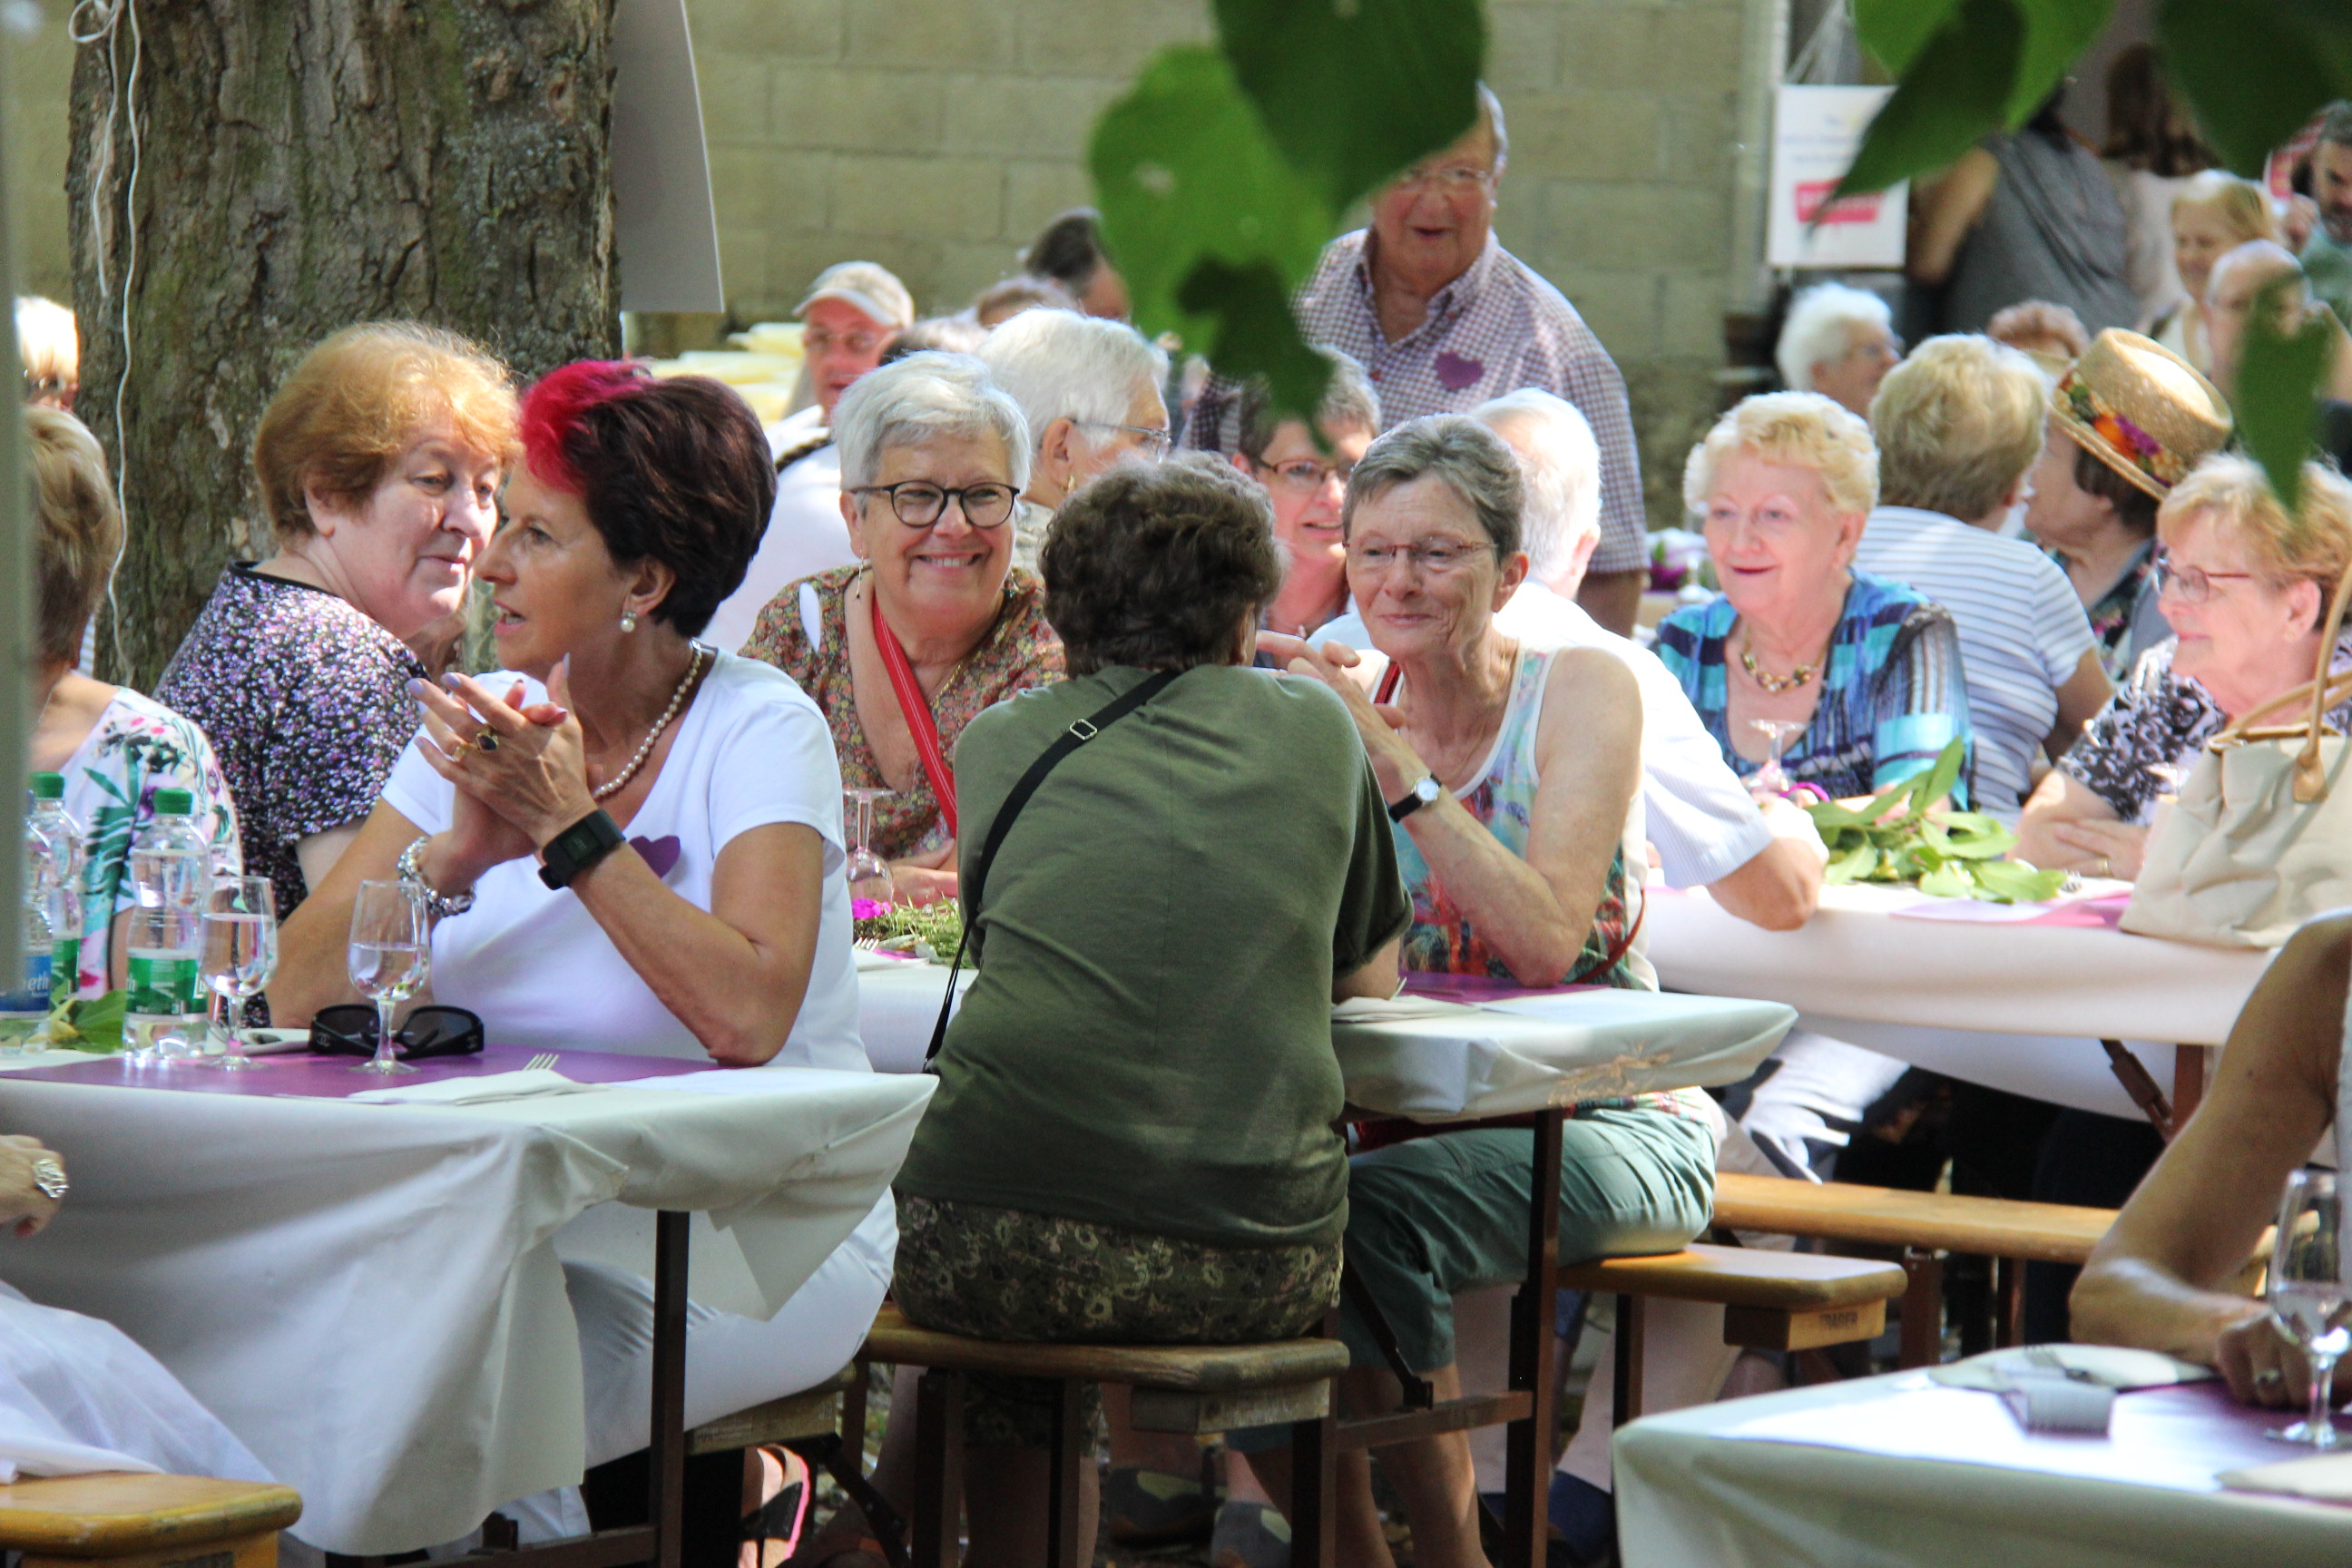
(25,1004)
(64,860)
(171,870)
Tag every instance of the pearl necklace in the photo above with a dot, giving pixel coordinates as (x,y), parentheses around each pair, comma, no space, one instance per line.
(1775,684)
(615,784)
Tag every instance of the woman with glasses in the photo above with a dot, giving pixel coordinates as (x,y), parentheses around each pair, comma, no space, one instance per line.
(1308,485)
(935,623)
(2245,587)
(1511,773)
(1090,389)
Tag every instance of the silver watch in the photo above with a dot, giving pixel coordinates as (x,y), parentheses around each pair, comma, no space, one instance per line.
(439,905)
(1425,792)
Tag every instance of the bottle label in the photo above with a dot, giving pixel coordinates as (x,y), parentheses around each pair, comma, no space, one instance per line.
(65,969)
(33,994)
(162,984)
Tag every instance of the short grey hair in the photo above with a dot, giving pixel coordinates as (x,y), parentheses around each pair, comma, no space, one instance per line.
(1559,465)
(1476,464)
(1058,365)
(1490,110)
(920,398)
(1349,403)
(1815,329)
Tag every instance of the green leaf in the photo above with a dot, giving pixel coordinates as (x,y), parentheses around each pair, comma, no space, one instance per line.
(1955,93)
(2255,70)
(2014,882)
(1855,863)
(1828,813)
(1895,31)
(1254,333)
(94,1025)
(1353,91)
(2056,34)
(1947,882)
(2279,382)
(1935,785)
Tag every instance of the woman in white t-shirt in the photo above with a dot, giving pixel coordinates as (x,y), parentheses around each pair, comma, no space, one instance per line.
(630,842)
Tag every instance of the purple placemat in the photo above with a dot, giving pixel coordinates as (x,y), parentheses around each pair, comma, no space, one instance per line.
(331,1078)
(1477,988)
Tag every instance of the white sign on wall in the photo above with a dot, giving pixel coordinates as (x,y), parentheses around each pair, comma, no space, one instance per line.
(1815,130)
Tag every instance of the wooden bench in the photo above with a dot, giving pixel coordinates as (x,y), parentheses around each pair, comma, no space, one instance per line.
(2009,1232)
(1190,1389)
(1770,1300)
(145,1521)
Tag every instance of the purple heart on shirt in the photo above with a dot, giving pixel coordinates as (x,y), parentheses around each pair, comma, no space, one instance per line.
(661,853)
(1454,373)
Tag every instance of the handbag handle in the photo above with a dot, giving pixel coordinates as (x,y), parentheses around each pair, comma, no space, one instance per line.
(2310,776)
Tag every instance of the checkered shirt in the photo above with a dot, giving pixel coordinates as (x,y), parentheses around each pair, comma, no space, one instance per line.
(1496,328)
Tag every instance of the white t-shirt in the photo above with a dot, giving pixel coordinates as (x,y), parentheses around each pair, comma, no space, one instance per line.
(1696,813)
(805,535)
(750,750)
(2022,633)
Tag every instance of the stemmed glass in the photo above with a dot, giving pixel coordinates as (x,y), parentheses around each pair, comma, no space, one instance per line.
(391,953)
(239,955)
(869,874)
(2308,1298)
(1772,778)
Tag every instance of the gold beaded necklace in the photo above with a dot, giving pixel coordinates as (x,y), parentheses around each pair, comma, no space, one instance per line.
(1774,684)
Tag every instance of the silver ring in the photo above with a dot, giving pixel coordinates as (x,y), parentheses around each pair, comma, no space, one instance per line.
(2269,1377)
(487,741)
(50,1177)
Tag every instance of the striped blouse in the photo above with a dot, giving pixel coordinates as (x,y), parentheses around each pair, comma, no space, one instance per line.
(1892,694)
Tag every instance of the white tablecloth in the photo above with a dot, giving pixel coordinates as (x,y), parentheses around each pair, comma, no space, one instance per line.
(1846,1478)
(2016,1006)
(371,1298)
(1438,1061)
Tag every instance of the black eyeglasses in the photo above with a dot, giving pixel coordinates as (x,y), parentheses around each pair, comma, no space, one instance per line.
(919,503)
(349,1029)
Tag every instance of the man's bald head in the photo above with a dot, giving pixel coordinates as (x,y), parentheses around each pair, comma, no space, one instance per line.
(2239,277)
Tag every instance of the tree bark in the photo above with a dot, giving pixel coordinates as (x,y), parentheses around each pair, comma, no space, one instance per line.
(303,165)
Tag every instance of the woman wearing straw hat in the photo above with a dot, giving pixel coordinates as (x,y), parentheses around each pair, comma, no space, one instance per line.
(2127,424)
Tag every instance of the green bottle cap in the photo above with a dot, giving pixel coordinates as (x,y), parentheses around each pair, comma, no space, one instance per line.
(174,803)
(48,786)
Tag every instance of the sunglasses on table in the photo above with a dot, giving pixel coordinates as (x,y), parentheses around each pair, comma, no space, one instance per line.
(349,1029)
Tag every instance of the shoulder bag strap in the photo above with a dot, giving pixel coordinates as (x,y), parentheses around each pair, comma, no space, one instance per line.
(918,710)
(1068,741)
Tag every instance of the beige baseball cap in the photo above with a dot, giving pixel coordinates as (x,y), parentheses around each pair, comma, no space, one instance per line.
(867,286)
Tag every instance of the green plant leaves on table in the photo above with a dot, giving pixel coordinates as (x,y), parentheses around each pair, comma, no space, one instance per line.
(2256,70)
(2279,382)
(92,1024)
(1906,834)
(1353,91)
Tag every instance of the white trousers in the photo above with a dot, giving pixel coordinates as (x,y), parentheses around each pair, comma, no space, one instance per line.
(1813,1104)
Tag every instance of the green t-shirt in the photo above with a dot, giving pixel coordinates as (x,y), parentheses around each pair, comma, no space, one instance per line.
(1148,1042)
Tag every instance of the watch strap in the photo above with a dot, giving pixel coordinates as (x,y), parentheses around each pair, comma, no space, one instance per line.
(1421,795)
(579,846)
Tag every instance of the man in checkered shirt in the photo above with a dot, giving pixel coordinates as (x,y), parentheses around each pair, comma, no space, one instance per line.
(1442,318)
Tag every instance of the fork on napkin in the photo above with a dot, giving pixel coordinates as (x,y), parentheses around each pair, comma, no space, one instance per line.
(531,1083)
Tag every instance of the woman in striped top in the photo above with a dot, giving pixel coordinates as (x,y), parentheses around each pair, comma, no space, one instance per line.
(1869,668)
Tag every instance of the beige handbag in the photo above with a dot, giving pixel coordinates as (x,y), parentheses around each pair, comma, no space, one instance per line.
(2260,838)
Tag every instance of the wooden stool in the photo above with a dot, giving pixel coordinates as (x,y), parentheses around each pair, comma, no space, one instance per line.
(1770,1300)
(145,1521)
(1190,1389)
(1923,1225)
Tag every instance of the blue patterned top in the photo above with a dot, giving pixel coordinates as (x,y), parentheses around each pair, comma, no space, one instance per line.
(1892,696)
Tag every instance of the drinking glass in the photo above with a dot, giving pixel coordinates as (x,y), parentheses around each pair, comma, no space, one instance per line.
(869,874)
(1772,778)
(2308,1298)
(239,955)
(391,953)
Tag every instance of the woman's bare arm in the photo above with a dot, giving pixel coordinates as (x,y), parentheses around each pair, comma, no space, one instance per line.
(311,945)
(1379,977)
(1943,213)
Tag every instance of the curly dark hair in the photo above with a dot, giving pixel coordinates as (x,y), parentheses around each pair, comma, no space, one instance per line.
(1156,567)
(677,470)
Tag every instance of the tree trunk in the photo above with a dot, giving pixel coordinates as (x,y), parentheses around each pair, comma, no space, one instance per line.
(303,165)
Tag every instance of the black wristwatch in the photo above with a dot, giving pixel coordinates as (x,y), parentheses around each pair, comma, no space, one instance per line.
(1425,792)
(579,846)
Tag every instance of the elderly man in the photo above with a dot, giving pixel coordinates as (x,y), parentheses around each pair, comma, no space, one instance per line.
(1090,388)
(1442,318)
(1838,341)
(2238,280)
(2327,254)
(852,312)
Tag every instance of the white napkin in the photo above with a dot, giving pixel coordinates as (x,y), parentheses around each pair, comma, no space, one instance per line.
(2106,1367)
(2322,1477)
(529,1085)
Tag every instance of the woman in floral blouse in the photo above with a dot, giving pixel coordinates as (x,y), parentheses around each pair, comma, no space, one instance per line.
(936,622)
(115,747)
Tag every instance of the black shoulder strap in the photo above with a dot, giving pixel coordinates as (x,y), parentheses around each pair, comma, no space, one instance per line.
(1068,741)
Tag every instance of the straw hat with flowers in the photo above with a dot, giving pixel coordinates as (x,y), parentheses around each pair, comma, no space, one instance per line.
(2141,409)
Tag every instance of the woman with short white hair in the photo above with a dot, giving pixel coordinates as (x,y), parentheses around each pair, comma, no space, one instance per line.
(935,623)
(1090,390)
(1839,341)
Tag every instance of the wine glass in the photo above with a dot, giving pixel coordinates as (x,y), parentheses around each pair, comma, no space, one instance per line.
(2309,1302)
(238,956)
(869,874)
(391,953)
(1772,778)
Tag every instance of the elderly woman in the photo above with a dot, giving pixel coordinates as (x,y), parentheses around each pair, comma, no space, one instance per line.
(2246,588)
(2213,213)
(114,747)
(935,623)
(1839,342)
(1869,668)
(1307,479)
(379,463)
(628,841)
(1510,771)
(1090,391)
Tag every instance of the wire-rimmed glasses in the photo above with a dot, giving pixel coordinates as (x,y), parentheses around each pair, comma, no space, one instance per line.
(2309,1304)
(919,503)
(1154,444)
(390,955)
(238,956)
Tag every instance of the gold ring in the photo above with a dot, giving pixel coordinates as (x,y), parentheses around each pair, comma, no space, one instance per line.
(462,747)
(2107,867)
(486,739)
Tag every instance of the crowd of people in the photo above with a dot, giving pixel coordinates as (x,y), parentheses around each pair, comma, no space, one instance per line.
(1370,703)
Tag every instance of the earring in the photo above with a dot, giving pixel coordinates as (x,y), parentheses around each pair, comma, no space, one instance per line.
(628,620)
